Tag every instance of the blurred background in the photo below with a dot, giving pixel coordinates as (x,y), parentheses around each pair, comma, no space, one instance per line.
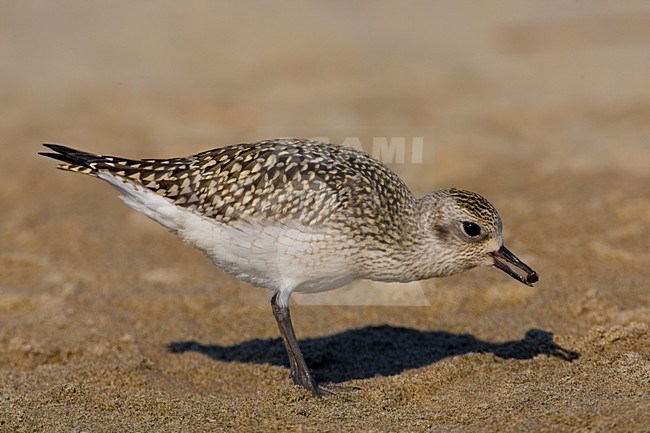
(537,80)
(542,107)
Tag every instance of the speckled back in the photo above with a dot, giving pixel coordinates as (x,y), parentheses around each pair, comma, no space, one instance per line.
(305,181)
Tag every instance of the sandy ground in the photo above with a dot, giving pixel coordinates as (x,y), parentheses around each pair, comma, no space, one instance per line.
(109,323)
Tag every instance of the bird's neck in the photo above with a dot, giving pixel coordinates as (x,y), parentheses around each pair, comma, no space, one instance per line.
(415,254)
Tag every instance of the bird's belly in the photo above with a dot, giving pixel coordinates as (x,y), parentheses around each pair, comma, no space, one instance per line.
(280,256)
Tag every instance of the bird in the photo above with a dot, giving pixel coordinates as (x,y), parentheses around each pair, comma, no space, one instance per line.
(299,215)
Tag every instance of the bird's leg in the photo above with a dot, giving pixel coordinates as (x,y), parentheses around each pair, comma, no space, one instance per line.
(299,371)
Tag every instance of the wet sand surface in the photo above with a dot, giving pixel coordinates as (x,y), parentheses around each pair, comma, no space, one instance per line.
(109,323)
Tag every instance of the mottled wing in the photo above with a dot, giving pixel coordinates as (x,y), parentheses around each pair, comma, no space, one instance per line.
(303,181)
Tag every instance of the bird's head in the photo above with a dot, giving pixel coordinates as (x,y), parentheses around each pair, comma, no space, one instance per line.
(467,229)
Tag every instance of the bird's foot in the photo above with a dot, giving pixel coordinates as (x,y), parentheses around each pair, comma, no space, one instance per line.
(335,388)
(306,380)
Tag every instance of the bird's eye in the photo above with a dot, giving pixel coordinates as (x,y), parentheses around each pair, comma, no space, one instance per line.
(472,229)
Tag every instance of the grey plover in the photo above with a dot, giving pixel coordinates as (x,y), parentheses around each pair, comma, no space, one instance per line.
(297,215)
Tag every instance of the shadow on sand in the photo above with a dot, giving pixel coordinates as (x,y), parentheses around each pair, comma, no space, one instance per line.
(377,350)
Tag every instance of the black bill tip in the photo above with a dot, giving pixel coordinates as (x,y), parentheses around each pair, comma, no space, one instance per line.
(501,259)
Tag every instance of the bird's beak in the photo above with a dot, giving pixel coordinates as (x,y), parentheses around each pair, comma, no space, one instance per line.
(504,255)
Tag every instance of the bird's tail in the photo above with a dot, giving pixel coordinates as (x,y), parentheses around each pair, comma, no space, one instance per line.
(73,159)
(158,175)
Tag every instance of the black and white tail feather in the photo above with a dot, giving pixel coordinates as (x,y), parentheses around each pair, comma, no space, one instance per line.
(124,175)
(73,159)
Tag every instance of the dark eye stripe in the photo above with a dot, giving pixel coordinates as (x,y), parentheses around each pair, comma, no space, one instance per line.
(472,229)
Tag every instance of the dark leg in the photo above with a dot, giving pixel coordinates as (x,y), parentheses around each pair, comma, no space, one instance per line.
(299,371)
